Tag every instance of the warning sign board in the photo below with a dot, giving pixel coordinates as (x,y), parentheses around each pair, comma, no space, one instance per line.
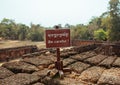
(56,38)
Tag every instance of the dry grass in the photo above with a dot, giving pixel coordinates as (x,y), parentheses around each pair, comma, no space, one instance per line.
(16,43)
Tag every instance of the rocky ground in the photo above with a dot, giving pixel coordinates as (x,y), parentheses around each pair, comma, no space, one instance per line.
(88,68)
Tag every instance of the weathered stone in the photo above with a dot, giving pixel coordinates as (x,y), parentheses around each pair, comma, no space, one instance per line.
(71,81)
(72,53)
(5,73)
(68,61)
(50,81)
(78,66)
(82,57)
(53,72)
(20,79)
(91,74)
(48,57)
(38,61)
(38,84)
(110,77)
(64,55)
(20,67)
(117,62)
(41,73)
(51,66)
(96,59)
(108,61)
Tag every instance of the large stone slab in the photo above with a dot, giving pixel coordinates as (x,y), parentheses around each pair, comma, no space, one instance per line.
(108,61)
(110,77)
(96,59)
(49,81)
(20,67)
(82,57)
(72,53)
(78,66)
(5,73)
(64,55)
(117,62)
(37,61)
(68,61)
(71,81)
(91,74)
(20,79)
(50,56)
(41,73)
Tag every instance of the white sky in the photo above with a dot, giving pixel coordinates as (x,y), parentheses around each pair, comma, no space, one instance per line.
(52,12)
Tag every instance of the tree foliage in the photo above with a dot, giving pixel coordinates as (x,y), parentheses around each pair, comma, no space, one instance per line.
(104,27)
(79,31)
(100,34)
(114,11)
(36,33)
(11,30)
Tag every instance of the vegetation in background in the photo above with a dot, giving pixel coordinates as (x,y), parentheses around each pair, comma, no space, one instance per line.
(100,35)
(114,12)
(13,31)
(104,27)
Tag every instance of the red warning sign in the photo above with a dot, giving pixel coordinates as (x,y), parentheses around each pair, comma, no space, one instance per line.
(56,38)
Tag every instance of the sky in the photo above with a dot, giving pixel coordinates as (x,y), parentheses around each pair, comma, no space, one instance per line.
(52,12)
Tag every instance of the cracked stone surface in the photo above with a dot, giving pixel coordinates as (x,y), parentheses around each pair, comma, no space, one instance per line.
(5,73)
(20,79)
(88,68)
(20,67)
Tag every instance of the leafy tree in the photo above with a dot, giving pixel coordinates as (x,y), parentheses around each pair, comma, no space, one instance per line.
(80,31)
(114,11)
(22,31)
(93,25)
(10,30)
(105,24)
(100,34)
(7,29)
(36,33)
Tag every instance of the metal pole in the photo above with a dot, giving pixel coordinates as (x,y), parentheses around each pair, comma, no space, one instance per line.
(58,54)
(57,64)
(58,49)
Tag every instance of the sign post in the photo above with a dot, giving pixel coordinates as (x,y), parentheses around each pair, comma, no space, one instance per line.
(57,38)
